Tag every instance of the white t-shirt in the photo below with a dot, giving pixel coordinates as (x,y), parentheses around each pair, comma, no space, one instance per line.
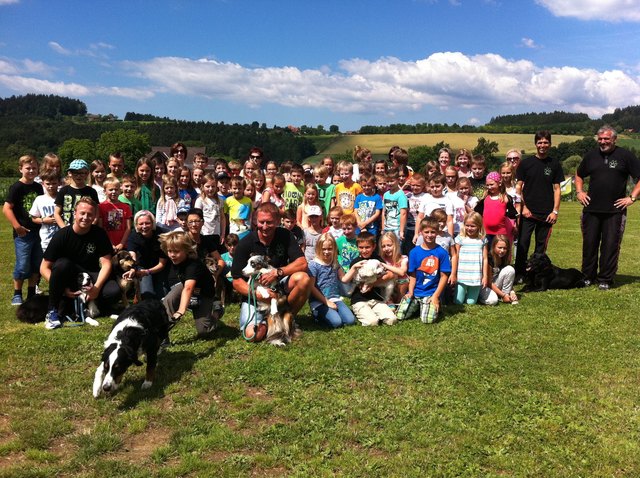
(43,206)
(430,203)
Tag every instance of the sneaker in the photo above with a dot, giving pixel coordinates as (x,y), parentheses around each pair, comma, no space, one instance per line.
(514,297)
(52,321)
(17,300)
(38,290)
(587,283)
(603,286)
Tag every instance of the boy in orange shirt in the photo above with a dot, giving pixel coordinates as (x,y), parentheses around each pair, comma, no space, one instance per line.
(347,190)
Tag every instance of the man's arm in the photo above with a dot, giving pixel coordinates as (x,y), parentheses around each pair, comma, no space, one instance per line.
(45,269)
(103,276)
(553,217)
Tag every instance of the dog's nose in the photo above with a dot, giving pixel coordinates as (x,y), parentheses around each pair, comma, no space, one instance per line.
(106,387)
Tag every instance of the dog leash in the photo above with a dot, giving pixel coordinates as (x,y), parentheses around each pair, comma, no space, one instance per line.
(252,300)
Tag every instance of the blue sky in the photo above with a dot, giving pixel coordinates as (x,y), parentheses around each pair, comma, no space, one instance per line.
(349,62)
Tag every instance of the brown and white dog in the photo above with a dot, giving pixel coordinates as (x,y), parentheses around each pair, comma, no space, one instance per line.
(121,262)
(281,328)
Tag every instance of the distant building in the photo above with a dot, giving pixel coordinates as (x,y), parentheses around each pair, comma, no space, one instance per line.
(163,152)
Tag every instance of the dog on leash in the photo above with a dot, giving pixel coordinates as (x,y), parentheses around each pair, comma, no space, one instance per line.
(281,328)
(140,328)
(121,262)
(542,275)
(85,309)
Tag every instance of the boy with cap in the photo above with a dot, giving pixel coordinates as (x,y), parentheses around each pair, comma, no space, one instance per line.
(70,194)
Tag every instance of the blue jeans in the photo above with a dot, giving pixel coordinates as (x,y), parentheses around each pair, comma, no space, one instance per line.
(334,318)
(28,256)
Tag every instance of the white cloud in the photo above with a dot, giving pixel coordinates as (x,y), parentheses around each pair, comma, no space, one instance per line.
(95,50)
(8,2)
(55,46)
(602,10)
(529,43)
(443,80)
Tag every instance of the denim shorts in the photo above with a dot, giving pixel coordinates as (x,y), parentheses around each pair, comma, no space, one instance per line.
(28,256)
(248,312)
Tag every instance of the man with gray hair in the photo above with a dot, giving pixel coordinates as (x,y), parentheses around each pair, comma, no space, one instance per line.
(604,216)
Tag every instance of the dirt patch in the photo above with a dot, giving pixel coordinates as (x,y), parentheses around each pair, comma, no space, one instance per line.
(138,448)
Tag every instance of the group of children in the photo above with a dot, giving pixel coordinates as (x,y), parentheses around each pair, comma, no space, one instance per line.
(436,239)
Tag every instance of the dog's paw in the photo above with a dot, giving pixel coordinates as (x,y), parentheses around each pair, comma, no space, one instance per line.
(146,385)
(91,321)
(278,342)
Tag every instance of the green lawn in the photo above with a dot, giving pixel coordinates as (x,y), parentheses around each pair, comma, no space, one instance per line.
(545,388)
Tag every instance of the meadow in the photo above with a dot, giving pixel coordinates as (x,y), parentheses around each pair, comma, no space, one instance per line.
(548,387)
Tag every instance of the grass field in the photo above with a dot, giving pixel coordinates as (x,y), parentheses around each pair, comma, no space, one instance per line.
(545,388)
(380,143)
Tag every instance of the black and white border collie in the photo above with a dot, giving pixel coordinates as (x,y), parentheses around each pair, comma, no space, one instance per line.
(139,329)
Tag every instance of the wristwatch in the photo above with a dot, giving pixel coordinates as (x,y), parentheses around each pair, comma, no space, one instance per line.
(633,199)
(280,272)
(555,212)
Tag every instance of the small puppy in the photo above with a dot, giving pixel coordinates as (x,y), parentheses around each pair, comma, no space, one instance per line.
(370,272)
(542,275)
(121,262)
(85,309)
(140,328)
(280,325)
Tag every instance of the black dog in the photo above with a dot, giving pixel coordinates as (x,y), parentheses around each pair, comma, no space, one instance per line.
(542,275)
(34,309)
(139,328)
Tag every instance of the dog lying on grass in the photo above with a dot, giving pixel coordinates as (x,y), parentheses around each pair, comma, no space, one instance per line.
(543,275)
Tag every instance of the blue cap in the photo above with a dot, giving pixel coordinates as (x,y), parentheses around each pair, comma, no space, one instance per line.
(77,165)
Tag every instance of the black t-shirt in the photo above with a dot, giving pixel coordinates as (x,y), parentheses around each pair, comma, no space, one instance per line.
(283,250)
(67,198)
(148,251)
(374,294)
(539,176)
(609,175)
(207,245)
(194,269)
(21,197)
(85,250)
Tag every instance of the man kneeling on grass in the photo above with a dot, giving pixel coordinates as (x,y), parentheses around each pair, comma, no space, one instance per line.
(429,269)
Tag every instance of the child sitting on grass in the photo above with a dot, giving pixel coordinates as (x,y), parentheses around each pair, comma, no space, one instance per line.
(502,275)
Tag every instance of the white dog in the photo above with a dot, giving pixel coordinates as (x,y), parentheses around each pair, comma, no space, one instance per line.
(370,272)
(86,309)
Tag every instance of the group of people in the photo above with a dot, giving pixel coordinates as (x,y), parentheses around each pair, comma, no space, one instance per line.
(444,234)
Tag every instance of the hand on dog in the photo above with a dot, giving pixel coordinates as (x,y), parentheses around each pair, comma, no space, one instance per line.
(129,275)
(72,294)
(268,278)
(93,293)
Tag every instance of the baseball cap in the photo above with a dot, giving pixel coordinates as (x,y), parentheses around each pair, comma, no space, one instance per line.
(314,211)
(77,165)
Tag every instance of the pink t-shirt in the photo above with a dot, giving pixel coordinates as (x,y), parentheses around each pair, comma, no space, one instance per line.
(495,216)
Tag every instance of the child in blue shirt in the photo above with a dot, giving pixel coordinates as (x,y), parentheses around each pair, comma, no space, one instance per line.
(368,206)
(394,217)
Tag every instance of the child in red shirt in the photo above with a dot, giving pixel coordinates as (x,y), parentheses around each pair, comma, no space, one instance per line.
(115,216)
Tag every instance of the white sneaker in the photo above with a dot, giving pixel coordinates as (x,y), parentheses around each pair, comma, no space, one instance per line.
(52,320)
(38,290)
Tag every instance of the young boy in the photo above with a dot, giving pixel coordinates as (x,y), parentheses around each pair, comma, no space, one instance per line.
(381,183)
(369,307)
(114,216)
(347,244)
(415,198)
(238,208)
(326,191)
(231,242)
(26,239)
(368,206)
(234,168)
(429,269)
(335,229)
(437,200)
(394,216)
(289,222)
(478,176)
(116,165)
(128,184)
(70,194)
(200,160)
(347,191)
(313,232)
(224,183)
(42,209)
(294,189)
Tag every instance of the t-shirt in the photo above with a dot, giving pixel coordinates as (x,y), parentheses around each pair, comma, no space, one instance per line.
(470,258)
(310,240)
(211,210)
(414,202)
(194,269)
(393,203)
(147,249)
(84,249)
(21,196)
(427,264)
(459,209)
(67,198)
(445,241)
(187,199)
(239,211)
(102,196)
(539,176)
(431,203)
(608,177)
(207,245)
(134,204)
(346,196)
(327,281)
(494,215)
(292,195)
(42,207)
(347,251)
(228,262)
(365,207)
(115,217)
(325,195)
(148,198)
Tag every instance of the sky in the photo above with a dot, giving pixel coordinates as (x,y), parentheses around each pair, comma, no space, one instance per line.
(334,62)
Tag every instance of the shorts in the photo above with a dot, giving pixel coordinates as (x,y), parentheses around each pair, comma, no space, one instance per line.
(28,255)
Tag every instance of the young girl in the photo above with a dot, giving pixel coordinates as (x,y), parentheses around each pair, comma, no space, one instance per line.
(325,301)
(496,209)
(403,178)
(50,163)
(271,169)
(469,268)
(167,207)
(212,209)
(250,192)
(173,167)
(198,179)
(507,174)
(196,289)
(430,169)
(395,262)
(274,193)
(463,163)
(309,199)
(259,182)
(501,274)
(463,203)
(146,190)
(159,170)
(444,159)
(96,178)
(451,178)
(186,191)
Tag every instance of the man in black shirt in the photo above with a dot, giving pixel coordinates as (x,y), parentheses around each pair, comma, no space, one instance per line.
(605,205)
(282,252)
(538,181)
(82,247)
